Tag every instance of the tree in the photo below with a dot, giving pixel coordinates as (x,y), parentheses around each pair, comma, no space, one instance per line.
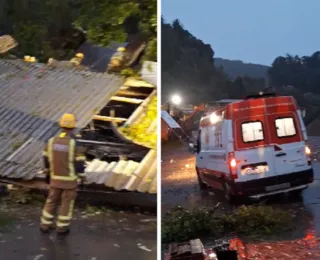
(56,28)
(188,68)
(106,21)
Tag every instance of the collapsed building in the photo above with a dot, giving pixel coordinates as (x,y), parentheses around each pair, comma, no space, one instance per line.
(34,96)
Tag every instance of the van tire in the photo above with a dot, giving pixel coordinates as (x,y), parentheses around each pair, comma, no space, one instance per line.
(202,185)
(228,195)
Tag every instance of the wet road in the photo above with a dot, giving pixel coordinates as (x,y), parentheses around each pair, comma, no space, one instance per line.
(95,236)
(180,185)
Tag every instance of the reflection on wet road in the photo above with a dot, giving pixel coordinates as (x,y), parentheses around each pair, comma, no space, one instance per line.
(179,181)
(311,198)
(180,185)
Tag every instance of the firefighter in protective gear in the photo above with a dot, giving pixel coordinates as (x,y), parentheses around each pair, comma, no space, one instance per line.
(64,162)
(76,61)
(117,60)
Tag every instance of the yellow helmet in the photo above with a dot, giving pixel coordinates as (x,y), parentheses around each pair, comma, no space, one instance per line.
(68,121)
(80,55)
(32,59)
(27,58)
(121,49)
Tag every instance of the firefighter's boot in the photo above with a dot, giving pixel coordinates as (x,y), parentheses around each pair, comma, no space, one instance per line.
(49,209)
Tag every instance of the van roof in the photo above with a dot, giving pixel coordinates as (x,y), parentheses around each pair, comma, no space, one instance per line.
(257,106)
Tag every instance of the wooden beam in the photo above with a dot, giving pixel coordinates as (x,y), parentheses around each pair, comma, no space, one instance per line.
(131,82)
(127,100)
(109,118)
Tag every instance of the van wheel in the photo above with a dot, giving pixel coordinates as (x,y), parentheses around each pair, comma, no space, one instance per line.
(227,193)
(202,185)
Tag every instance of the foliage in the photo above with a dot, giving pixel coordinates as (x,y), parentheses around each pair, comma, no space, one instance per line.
(300,77)
(111,21)
(180,224)
(56,28)
(140,132)
(42,28)
(129,72)
(237,68)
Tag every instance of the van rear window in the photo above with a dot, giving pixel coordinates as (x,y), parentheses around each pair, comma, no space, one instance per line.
(285,127)
(252,131)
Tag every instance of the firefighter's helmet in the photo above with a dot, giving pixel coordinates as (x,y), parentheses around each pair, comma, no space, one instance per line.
(27,58)
(68,121)
(121,49)
(80,55)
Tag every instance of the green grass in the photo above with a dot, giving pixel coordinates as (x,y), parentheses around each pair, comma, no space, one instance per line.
(250,221)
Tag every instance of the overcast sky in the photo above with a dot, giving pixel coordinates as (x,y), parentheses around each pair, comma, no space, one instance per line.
(250,30)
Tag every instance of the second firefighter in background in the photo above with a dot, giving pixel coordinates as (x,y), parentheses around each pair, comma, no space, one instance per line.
(64,164)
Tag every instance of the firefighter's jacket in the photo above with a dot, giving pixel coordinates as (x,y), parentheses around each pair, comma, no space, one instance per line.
(64,161)
(117,59)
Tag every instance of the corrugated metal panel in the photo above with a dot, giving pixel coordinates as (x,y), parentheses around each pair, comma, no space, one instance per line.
(96,57)
(169,120)
(32,100)
(126,175)
(149,72)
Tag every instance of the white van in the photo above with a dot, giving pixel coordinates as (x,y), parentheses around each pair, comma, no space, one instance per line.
(254,148)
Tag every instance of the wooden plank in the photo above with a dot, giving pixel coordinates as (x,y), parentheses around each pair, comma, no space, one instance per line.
(127,100)
(109,118)
(131,82)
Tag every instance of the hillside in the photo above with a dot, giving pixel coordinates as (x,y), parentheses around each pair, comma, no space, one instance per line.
(188,69)
(237,68)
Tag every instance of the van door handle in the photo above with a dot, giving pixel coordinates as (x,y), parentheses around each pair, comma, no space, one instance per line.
(281,154)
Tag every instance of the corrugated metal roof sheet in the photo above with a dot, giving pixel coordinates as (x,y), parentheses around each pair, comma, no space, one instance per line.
(96,57)
(169,120)
(32,100)
(149,72)
(126,175)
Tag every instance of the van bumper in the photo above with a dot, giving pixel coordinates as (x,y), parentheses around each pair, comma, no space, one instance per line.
(257,188)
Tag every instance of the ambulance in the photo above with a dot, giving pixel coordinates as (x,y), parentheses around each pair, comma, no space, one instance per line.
(254,148)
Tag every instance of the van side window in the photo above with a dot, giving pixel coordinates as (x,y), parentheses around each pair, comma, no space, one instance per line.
(252,131)
(285,127)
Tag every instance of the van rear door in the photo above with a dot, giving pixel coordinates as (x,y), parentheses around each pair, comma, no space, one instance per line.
(254,155)
(288,143)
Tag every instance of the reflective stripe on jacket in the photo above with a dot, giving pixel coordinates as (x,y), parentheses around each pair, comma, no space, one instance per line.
(65,161)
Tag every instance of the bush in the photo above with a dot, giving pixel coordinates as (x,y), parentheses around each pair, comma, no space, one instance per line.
(181,225)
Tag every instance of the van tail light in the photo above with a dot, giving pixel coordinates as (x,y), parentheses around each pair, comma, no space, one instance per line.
(307,151)
(233,166)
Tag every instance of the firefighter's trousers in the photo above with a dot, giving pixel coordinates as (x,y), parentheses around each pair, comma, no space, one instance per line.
(66,199)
